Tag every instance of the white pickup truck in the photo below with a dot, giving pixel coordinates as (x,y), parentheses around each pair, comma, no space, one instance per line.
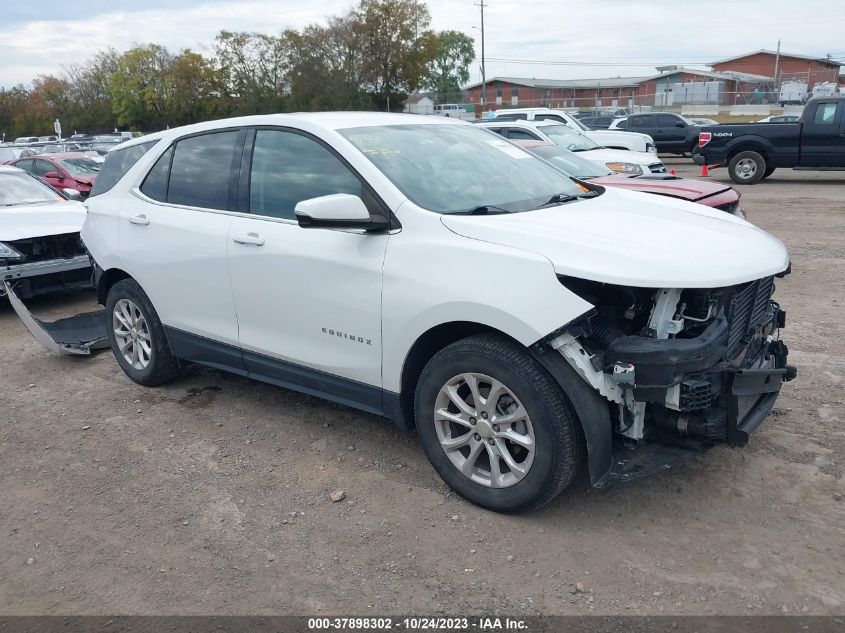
(612,139)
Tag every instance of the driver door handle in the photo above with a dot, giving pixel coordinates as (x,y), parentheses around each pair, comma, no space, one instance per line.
(250,238)
(140,220)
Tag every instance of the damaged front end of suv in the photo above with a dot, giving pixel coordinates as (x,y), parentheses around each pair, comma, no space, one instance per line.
(681,369)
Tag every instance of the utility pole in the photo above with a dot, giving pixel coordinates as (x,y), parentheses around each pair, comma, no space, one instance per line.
(777,63)
(481,5)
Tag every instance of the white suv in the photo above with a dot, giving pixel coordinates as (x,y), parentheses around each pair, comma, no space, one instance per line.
(421,269)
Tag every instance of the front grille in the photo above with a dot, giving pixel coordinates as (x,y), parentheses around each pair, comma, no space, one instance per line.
(657,168)
(749,308)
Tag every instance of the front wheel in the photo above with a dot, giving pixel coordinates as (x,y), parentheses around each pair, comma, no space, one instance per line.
(137,336)
(747,168)
(496,426)
(769,171)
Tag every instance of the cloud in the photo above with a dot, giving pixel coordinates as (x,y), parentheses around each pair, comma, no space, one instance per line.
(629,37)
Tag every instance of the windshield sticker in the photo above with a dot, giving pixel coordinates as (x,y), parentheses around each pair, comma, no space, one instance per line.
(510,150)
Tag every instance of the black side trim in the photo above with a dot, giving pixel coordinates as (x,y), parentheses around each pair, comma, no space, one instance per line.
(592,409)
(314,382)
(199,349)
(277,372)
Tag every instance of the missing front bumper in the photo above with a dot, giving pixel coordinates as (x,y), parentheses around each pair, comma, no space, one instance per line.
(76,335)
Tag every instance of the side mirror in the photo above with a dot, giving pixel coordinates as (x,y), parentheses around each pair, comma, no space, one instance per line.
(680,124)
(337,211)
(72,194)
(54,174)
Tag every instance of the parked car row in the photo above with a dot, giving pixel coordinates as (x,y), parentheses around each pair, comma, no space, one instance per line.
(430,271)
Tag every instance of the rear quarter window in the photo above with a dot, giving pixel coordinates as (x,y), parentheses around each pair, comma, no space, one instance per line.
(117,163)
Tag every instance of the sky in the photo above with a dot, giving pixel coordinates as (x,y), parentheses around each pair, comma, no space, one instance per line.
(563,39)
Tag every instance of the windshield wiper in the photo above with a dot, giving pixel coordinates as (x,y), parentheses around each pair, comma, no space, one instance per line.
(559,198)
(562,198)
(483,209)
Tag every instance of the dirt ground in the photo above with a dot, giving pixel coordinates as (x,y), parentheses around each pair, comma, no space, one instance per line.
(211,495)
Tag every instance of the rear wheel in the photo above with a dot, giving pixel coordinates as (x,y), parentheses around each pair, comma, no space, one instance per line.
(747,168)
(137,336)
(769,171)
(495,426)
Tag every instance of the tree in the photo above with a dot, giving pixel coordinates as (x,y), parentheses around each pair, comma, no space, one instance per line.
(396,46)
(140,87)
(449,69)
(254,69)
(88,89)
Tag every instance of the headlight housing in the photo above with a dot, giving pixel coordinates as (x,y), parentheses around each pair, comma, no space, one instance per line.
(631,169)
(7,252)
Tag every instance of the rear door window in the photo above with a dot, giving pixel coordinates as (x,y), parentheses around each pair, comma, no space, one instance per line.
(667,120)
(825,114)
(201,170)
(117,163)
(155,184)
(639,122)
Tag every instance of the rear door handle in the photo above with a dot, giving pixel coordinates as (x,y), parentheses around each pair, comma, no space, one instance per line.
(140,220)
(250,238)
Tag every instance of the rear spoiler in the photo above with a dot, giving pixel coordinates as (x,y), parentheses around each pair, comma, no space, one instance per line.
(76,335)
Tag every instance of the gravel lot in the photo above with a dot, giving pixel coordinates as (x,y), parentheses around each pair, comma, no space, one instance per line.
(211,495)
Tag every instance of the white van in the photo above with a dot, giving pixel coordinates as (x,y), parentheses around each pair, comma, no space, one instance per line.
(453,110)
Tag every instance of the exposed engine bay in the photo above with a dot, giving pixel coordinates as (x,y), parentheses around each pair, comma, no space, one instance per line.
(45,264)
(684,365)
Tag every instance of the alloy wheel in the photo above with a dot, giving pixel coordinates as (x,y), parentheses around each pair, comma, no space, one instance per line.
(132,334)
(484,430)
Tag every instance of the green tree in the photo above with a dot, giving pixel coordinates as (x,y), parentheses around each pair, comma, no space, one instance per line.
(396,46)
(140,87)
(448,71)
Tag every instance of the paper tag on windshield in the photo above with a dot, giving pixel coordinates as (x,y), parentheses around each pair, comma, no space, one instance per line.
(510,150)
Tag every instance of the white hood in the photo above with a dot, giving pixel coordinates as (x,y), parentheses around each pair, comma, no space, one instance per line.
(615,137)
(606,155)
(39,220)
(636,239)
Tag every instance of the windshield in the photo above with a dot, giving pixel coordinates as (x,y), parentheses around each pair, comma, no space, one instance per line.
(572,164)
(568,138)
(459,168)
(20,188)
(80,166)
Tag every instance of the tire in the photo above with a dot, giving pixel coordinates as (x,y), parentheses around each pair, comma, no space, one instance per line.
(747,168)
(693,148)
(544,470)
(127,304)
(769,171)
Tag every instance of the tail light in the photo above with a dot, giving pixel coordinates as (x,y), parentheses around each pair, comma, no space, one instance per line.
(704,138)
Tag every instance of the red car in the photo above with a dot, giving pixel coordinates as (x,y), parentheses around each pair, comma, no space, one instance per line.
(711,194)
(70,170)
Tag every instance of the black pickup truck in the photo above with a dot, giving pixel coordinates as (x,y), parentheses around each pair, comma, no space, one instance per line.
(753,151)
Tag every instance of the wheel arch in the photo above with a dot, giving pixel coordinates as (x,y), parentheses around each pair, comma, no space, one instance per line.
(427,345)
(748,145)
(106,280)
